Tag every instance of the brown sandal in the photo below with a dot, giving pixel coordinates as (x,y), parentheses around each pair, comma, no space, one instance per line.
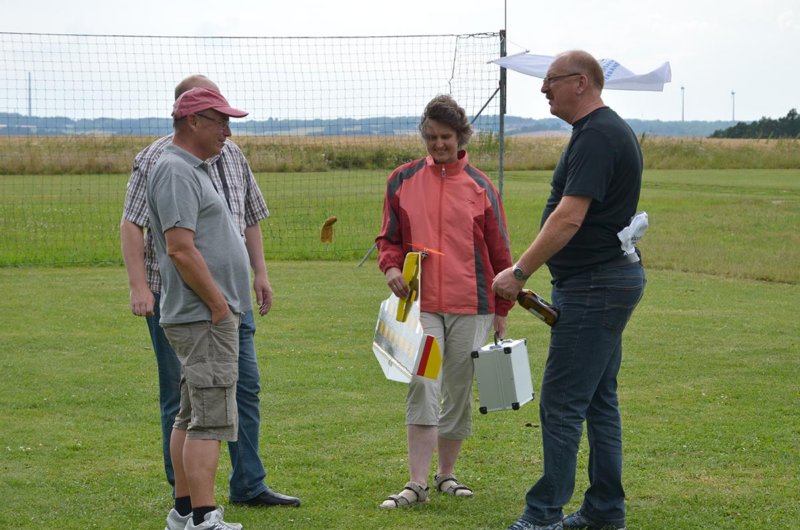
(417,494)
(449,484)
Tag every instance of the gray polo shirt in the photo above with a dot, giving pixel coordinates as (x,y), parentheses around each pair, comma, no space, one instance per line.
(180,194)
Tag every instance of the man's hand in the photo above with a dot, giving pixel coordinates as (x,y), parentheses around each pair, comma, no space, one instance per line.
(142,302)
(263,292)
(506,285)
(218,315)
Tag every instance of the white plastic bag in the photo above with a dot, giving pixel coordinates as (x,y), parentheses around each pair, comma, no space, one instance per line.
(632,233)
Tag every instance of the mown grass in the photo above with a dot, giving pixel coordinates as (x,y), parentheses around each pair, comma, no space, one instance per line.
(708,387)
(752,213)
(708,392)
(749,216)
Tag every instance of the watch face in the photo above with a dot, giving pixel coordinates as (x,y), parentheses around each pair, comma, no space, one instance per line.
(518,274)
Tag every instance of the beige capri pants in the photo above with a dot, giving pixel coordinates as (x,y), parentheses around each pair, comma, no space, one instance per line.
(447,402)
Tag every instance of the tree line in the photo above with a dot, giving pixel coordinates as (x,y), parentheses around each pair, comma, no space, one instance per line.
(786,127)
(15,124)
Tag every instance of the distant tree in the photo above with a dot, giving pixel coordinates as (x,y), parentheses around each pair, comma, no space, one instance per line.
(786,127)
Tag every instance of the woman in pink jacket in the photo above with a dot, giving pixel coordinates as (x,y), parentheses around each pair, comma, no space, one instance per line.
(444,204)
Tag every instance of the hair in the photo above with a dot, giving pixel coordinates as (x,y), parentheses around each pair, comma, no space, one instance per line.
(444,109)
(194,81)
(583,62)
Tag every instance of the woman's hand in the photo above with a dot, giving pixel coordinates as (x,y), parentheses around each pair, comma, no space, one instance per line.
(500,327)
(396,282)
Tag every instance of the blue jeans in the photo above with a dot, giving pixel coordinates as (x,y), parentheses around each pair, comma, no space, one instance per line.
(580,383)
(247,474)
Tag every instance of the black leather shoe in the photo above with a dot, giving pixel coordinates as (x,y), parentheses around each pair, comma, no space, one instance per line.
(269,498)
(579,520)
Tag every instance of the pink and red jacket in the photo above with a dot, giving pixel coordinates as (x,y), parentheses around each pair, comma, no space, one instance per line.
(455,212)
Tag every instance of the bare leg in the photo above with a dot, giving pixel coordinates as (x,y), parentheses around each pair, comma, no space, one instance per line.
(421,444)
(176,443)
(448,454)
(200,459)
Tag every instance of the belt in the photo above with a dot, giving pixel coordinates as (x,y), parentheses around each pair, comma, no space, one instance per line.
(625,259)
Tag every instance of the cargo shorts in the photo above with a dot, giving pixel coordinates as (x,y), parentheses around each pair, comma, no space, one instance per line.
(209,357)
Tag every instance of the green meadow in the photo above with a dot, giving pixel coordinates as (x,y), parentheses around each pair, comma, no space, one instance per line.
(734,223)
(708,388)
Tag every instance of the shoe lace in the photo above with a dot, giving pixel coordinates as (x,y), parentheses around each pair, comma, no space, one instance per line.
(218,524)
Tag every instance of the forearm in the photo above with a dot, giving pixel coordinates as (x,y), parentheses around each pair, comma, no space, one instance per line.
(194,272)
(255,250)
(132,241)
(389,242)
(552,238)
(556,232)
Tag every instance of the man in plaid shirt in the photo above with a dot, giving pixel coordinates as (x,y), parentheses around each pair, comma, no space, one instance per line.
(234,181)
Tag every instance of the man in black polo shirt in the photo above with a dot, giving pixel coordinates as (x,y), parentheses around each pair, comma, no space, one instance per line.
(596,286)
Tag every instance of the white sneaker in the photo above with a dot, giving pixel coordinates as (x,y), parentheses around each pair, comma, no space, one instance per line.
(176,521)
(213,521)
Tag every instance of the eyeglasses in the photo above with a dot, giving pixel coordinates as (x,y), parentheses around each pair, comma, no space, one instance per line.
(224,124)
(548,79)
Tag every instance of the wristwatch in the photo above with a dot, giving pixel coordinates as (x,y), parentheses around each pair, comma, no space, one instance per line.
(520,274)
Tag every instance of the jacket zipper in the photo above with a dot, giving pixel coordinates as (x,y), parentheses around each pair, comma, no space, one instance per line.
(441,230)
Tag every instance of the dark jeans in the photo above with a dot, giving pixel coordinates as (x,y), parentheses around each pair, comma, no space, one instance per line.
(580,384)
(247,474)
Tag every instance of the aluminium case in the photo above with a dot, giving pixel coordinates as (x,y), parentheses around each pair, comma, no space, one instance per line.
(504,375)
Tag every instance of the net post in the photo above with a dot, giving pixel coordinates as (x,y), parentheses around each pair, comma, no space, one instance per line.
(501,137)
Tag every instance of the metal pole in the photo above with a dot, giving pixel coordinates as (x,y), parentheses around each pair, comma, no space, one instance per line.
(501,137)
(733,105)
(681,103)
(30,113)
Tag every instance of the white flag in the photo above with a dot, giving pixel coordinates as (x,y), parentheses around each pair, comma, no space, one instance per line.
(617,77)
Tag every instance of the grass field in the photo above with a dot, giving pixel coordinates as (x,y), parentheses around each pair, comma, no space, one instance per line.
(708,387)
(750,214)
(708,390)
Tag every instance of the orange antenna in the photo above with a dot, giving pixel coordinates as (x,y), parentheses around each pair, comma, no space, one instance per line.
(425,249)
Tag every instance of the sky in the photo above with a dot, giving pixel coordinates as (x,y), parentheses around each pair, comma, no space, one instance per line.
(735,59)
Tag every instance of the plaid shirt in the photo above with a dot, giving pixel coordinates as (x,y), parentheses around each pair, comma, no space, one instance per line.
(246,203)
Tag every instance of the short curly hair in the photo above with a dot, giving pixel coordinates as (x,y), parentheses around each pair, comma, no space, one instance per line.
(444,109)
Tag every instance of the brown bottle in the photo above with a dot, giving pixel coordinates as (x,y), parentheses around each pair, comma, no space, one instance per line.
(537,306)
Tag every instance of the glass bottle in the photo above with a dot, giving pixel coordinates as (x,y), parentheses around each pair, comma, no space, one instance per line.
(537,306)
